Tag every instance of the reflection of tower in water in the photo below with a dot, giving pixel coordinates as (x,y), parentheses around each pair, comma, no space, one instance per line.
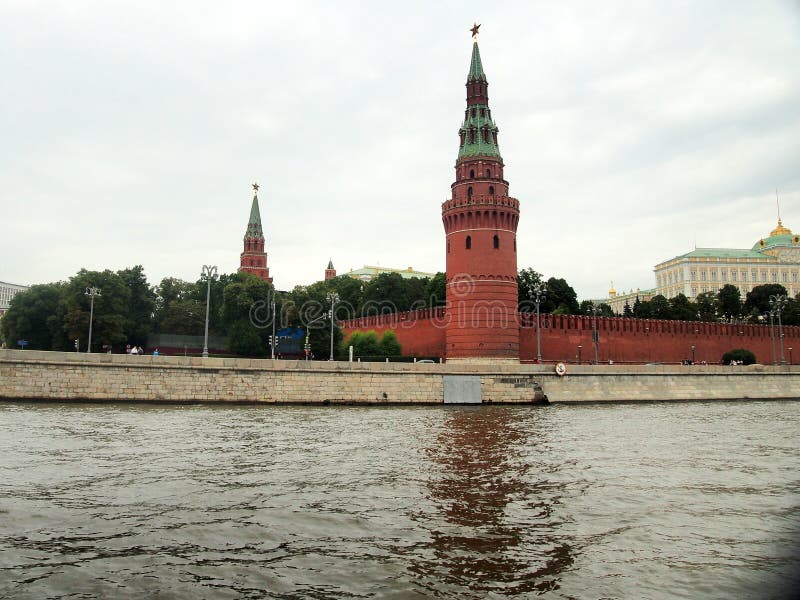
(493,529)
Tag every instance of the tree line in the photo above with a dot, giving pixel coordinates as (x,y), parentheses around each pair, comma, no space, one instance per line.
(53,316)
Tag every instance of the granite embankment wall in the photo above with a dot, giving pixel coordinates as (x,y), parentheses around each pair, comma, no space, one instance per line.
(107,377)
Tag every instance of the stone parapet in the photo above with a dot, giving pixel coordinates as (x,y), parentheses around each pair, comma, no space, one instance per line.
(75,376)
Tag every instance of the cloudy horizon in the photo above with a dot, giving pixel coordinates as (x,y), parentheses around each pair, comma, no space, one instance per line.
(631,133)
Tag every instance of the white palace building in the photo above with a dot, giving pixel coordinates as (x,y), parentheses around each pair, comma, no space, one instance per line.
(773,259)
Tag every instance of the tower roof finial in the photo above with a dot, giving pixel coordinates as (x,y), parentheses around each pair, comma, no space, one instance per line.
(474,30)
(255,187)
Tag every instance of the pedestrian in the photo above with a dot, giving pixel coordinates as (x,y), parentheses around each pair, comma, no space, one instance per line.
(155,352)
(128,349)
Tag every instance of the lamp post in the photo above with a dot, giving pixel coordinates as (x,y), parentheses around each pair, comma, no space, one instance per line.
(580,348)
(595,335)
(333,298)
(91,292)
(772,335)
(693,354)
(209,272)
(790,356)
(537,292)
(777,303)
(272,344)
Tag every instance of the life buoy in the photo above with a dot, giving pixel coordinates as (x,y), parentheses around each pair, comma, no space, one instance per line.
(561,369)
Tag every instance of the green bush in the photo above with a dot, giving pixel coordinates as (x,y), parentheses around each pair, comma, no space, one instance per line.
(741,355)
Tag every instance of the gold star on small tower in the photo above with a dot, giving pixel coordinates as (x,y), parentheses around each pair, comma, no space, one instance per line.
(474,30)
(255,188)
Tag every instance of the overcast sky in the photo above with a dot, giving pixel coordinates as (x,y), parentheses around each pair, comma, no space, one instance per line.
(130,132)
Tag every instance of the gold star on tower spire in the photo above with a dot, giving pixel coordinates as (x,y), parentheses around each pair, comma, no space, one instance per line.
(255,188)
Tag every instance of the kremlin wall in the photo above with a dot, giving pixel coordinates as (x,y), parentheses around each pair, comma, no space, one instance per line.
(622,341)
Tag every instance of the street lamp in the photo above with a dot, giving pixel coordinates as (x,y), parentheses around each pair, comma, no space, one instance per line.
(209,272)
(537,292)
(693,354)
(91,292)
(595,310)
(790,356)
(333,298)
(272,342)
(777,303)
(579,353)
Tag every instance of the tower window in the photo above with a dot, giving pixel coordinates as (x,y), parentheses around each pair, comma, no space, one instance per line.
(496,242)
(448,246)
(472,173)
(488,172)
(491,190)
(469,242)
(469,192)
(515,244)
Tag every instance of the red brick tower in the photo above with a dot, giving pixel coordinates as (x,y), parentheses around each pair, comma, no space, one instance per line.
(254,259)
(480,222)
(330,272)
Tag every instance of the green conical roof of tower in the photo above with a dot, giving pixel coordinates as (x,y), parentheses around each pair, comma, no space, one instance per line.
(254,224)
(475,65)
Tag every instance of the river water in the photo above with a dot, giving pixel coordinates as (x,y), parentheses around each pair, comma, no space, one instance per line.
(662,500)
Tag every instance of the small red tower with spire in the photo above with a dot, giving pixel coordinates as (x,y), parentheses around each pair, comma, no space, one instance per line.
(330,272)
(480,221)
(254,259)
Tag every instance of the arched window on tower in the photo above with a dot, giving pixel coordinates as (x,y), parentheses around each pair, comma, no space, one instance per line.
(469,242)
(491,190)
(472,173)
(496,242)
(469,192)
(448,246)
(488,173)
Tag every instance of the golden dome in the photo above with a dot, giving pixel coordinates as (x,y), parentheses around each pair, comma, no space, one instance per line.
(780,230)
(612,292)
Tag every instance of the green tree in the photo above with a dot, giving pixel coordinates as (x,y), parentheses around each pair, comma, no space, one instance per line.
(436,290)
(247,314)
(791,313)
(659,307)
(739,354)
(110,308)
(642,309)
(364,343)
(682,309)
(139,316)
(757,299)
(389,345)
(729,301)
(707,306)
(36,315)
(561,298)
(386,293)
(627,311)
(526,280)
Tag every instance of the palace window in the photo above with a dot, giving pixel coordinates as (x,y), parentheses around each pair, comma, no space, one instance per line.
(774,277)
(713,275)
(702,276)
(763,275)
(733,275)
(744,275)
(785,277)
(794,277)
(469,243)
(495,242)
(693,275)
(724,276)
